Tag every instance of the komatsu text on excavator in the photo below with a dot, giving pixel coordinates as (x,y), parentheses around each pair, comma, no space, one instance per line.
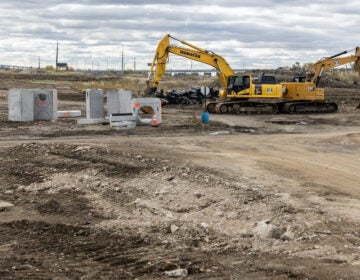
(242,93)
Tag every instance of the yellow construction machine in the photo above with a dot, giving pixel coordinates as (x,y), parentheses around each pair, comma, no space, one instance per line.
(304,96)
(317,69)
(243,93)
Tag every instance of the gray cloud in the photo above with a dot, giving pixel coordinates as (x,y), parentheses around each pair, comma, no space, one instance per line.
(266,32)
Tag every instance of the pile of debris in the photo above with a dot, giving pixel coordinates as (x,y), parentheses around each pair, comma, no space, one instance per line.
(195,95)
(328,81)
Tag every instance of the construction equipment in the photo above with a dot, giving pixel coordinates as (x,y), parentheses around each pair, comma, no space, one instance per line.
(243,93)
(317,69)
(304,96)
(194,53)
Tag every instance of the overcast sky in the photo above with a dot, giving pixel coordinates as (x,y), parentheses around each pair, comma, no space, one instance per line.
(248,34)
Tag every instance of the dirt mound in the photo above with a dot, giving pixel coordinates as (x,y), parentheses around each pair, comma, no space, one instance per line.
(100,213)
(245,197)
(336,83)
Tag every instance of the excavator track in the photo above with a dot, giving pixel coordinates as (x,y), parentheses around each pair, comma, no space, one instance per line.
(309,107)
(248,107)
(243,107)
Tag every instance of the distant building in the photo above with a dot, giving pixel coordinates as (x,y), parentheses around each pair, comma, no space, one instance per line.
(60,65)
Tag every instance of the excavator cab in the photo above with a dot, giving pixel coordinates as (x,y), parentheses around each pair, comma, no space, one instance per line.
(299,79)
(264,79)
(238,83)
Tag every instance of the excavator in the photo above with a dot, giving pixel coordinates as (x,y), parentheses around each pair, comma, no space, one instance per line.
(242,93)
(303,95)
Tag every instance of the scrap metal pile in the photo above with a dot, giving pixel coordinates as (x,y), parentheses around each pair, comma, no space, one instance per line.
(194,95)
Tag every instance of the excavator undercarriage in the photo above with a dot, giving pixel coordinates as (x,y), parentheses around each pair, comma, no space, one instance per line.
(251,107)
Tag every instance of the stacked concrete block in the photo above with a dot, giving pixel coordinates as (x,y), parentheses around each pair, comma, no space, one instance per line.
(119,109)
(118,102)
(32,105)
(123,121)
(122,111)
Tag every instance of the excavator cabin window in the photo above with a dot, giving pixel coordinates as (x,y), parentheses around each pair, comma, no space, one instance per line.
(238,83)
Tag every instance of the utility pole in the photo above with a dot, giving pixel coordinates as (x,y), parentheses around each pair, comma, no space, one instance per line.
(39,63)
(57,54)
(122,60)
(134,63)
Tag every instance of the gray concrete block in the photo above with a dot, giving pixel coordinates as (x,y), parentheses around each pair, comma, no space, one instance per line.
(94,104)
(69,114)
(123,121)
(21,105)
(45,105)
(123,125)
(32,104)
(92,121)
(118,102)
(153,119)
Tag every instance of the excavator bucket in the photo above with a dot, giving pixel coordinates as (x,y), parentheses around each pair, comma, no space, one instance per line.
(150,90)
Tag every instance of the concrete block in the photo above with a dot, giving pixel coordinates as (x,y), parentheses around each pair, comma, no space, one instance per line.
(32,104)
(69,114)
(118,102)
(94,104)
(21,105)
(155,118)
(92,121)
(123,121)
(45,105)
(123,125)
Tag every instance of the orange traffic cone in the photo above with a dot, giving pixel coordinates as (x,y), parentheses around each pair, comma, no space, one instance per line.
(154,121)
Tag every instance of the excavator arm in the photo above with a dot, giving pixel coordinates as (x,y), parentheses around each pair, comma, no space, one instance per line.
(315,72)
(192,52)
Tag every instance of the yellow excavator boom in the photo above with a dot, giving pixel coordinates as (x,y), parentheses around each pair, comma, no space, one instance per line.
(317,69)
(192,52)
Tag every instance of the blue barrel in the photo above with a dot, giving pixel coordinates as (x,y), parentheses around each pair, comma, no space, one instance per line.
(205,117)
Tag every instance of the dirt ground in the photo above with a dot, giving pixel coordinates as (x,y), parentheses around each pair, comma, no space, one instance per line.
(245,197)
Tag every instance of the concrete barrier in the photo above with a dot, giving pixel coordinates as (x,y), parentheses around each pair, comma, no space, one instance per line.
(32,105)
